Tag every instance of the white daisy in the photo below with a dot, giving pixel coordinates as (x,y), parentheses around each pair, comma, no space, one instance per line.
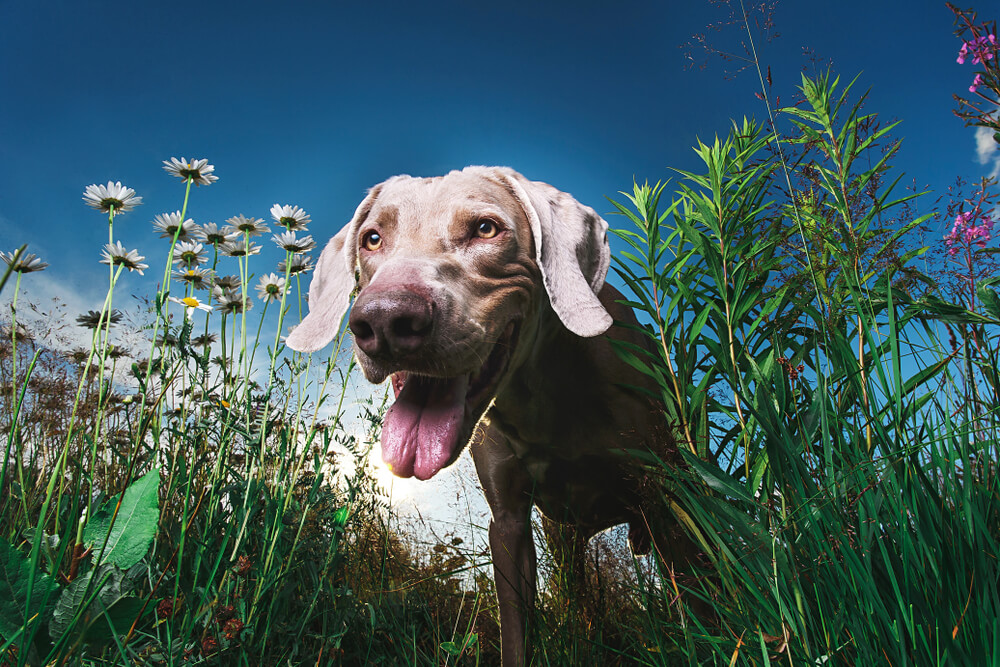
(189,254)
(104,197)
(270,287)
(287,241)
(116,352)
(191,304)
(229,301)
(212,234)
(199,171)
(116,254)
(300,264)
(27,263)
(167,224)
(95,318)
(196,277)
(292,218)
(167,339)
(245,225)
(239,248)
(227,282)
(204,340)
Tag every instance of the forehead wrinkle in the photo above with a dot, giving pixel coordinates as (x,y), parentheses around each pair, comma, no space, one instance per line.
(386,217)
(435,206)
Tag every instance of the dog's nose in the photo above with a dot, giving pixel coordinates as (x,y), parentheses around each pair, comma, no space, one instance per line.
(391,324)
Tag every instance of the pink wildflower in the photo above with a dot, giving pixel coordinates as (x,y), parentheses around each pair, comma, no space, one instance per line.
(982,48)
(978,81)
(965,231)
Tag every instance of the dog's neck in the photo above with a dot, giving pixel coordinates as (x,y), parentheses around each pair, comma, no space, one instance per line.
(542,370)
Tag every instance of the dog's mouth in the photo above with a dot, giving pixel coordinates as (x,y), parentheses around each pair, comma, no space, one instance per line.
(432,418)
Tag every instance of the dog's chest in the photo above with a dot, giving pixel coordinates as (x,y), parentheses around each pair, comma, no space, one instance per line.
(576,479)
(590,491)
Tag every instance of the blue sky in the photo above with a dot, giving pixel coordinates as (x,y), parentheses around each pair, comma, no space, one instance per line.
(311,103)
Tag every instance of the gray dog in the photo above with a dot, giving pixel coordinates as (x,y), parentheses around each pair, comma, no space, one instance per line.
(481,295)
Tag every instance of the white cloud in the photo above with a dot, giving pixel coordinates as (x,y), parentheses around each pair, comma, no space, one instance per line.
(988,151)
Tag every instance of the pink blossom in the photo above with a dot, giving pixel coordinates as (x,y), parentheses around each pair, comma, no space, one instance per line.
(978,81)
(966,232)
(982,48)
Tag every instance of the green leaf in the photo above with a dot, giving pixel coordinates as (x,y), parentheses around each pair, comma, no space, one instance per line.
(990,300)
(717,478)
(73,597)
(340,516)
(698,324)
(15,569)
(131,532)
(117,619)
(452,648)
(102,594)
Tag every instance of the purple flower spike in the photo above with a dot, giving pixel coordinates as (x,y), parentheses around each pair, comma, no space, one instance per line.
(982,48)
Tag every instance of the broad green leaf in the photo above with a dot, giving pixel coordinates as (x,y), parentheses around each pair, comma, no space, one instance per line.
(117,618)
(102,594)
(455,649)
(15,568)
(990,300)
(133,529)
(67,614)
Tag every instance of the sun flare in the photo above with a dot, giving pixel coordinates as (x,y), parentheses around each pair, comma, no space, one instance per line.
(398,488)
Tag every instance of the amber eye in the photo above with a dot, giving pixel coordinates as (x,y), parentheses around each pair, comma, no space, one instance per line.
(487,229)
(371,240)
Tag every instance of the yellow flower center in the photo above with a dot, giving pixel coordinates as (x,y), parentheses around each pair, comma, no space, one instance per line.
(190,302)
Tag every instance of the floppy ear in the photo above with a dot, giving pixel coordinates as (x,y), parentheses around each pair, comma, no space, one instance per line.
(331,286)
(571,248)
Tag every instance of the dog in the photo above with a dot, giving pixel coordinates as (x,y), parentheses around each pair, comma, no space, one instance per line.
(481,296)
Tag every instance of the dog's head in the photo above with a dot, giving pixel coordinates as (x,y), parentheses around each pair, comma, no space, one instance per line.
(449,272)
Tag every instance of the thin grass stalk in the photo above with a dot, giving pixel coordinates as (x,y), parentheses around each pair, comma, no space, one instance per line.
(43,518)
(688,437)
(274,349)
(13,323)
(13,390)
(162,306)
(244,276)
(788,181)
(15,436)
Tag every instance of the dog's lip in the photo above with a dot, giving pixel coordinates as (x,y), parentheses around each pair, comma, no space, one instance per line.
(483,380)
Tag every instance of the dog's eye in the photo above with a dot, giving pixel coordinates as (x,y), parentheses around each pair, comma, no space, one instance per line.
(371,240)
(487,229)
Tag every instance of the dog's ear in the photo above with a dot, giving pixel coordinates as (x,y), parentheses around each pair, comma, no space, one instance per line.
(571,248)
(332,284)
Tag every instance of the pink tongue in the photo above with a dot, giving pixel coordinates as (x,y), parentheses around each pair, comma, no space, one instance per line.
(420,431)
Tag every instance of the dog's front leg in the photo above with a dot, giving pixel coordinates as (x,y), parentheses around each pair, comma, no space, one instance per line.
(513,552)
(507,487)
